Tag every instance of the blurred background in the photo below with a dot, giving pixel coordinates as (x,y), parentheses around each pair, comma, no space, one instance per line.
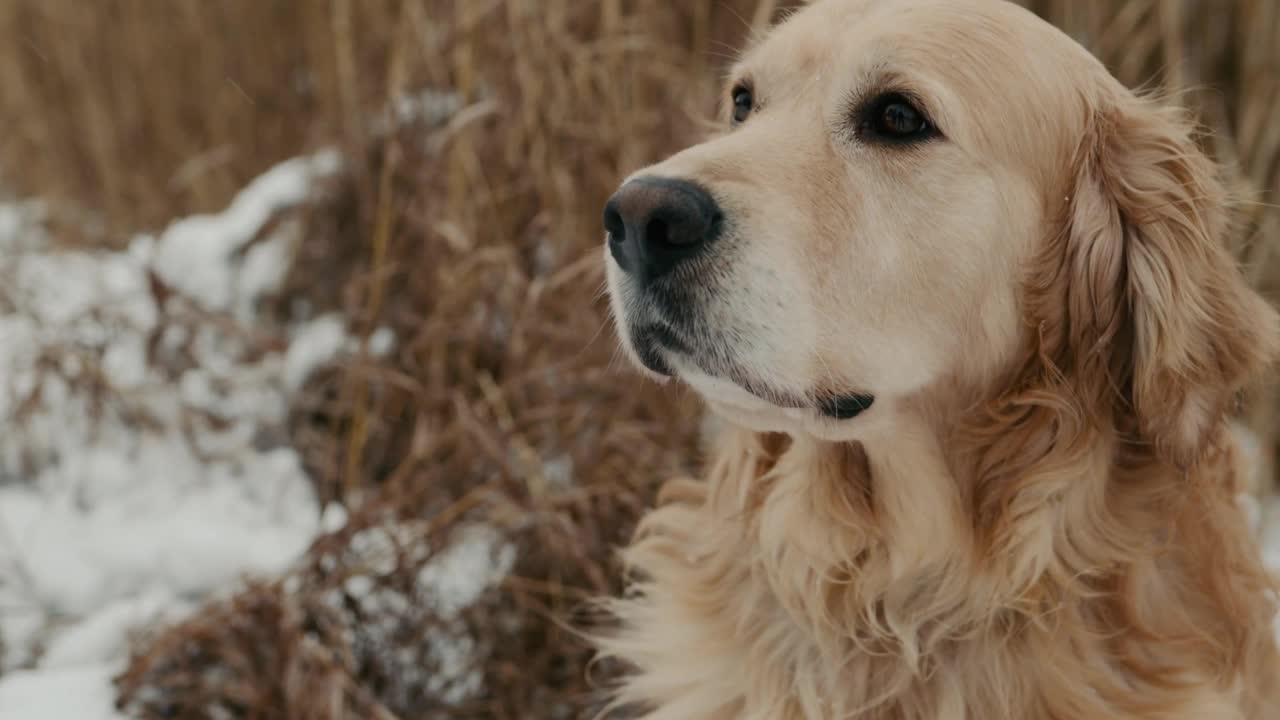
(309,405)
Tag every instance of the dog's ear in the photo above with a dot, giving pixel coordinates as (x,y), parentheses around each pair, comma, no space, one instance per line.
(1157,316)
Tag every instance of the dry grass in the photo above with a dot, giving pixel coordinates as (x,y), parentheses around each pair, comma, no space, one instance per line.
(124,113)
(476,239)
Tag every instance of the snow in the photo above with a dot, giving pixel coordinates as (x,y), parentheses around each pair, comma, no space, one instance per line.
(316,345)
(382,341)
(453,580)
(195,253)
(471,564)
(80,693)
(133,487)
(448,584)
(109,522)
(144,467)
(447,663)
(265,265)
(429,107)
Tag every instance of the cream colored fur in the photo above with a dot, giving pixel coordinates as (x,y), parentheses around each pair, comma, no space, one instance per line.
(1037,518)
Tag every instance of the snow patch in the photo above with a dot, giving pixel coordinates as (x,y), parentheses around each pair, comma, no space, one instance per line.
(138,472)
(319,342)
(444,661)
(79,693)
(474,562)
(195,255)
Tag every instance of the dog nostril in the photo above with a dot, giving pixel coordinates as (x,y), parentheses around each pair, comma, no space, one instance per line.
(613,224)
(657,232)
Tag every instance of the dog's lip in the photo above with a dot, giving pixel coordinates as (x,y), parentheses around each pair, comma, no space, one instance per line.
(846,407)
(835,406)
(833,417)
(656,344)
(651,342)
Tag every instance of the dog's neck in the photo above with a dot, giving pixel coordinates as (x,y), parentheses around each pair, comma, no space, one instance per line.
(926,531)
(900,541)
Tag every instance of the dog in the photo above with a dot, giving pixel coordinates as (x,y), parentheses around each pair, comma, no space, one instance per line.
(963,306)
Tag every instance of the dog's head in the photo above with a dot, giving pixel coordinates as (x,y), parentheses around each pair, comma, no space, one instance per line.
(910,195)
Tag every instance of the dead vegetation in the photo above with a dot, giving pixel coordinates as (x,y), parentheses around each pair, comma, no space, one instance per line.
(469,226)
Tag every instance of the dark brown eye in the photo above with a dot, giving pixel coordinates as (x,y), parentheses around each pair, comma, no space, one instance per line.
(895,118)
(743,102)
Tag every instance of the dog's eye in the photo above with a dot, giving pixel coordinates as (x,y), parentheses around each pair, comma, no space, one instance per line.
(743,102)
(895,118)
(900,119)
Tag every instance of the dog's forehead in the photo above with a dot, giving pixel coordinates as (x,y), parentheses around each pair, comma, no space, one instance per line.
(945,37)
(804,41)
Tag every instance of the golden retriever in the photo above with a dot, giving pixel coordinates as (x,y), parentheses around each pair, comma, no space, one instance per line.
(963,303)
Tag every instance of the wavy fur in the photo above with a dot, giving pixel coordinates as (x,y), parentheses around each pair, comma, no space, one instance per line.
(1059,540)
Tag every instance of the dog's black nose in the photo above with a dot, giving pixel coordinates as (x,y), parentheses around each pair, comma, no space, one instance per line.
(655,223)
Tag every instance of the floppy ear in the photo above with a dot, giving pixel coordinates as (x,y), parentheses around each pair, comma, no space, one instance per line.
(1155,303)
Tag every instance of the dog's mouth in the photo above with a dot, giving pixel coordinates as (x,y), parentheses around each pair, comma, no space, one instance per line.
(846,407)
(665,352)
(652,343)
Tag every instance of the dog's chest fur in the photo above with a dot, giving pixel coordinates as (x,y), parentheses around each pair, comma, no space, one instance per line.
(811,581)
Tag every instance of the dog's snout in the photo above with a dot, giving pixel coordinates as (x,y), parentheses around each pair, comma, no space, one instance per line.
(656,223)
